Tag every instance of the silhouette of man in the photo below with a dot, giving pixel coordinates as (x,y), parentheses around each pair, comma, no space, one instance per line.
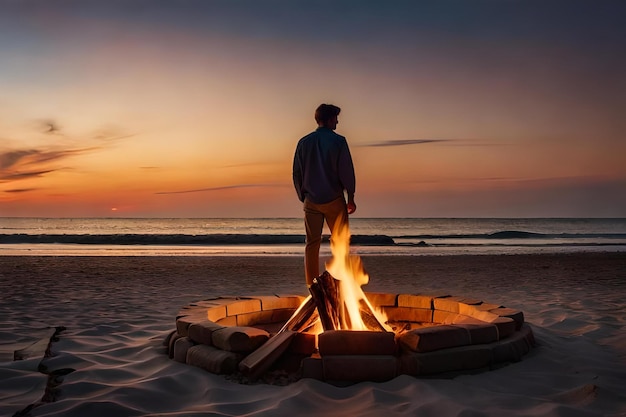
(322,172)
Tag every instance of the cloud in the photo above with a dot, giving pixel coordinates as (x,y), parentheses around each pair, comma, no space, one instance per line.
(33,162)
(226,187)
(25,157)
(20,190)
(50,127)
(10,158)
(407,142)
(402,142)
(14,176)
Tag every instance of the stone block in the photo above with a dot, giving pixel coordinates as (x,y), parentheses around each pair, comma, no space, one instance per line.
(506,327)
(304,343)
(433,338)
(216,313)
(166,341)
(379,299)
(483,315)
(357,368)
(466,308)
(243,306)
(412,314)
(454,359)
(470,301)
(415,301)
(447,317)
(258,317)
(214,360)
(513,348)
(183,322)
(239,339)
(450,304)
(312,367)
(516,315)
(181,347)
(228,321)
(362,342)
(273,302)
(172,341)
(201,332)
(444,317)
(481,333)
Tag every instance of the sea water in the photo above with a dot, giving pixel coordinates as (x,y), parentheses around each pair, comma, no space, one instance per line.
(285,236)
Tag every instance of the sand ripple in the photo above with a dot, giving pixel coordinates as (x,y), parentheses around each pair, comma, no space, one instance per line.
(117,320)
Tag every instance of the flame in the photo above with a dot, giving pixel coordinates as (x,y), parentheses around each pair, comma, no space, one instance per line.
(348,270)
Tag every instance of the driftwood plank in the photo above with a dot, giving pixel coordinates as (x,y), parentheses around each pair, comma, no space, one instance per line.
(259,361)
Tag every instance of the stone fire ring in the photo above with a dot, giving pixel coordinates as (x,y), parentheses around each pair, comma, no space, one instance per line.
(433,334)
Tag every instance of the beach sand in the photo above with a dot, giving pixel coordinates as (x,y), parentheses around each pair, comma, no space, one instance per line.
(118,310)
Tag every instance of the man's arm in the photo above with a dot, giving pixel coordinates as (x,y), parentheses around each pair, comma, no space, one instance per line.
(297,175)
(347,176)
(351,204)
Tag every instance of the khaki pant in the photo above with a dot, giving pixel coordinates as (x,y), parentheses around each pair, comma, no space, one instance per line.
(335,214)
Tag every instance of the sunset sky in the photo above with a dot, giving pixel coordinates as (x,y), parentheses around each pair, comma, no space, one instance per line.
(193,108)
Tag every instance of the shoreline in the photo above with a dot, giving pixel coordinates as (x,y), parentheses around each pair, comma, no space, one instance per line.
(278,250)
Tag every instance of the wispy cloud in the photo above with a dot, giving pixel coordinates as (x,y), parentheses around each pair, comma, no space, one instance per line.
(49,126)
(20,190)
(407,142)
(226,187)
(403,142)
(14,176)
(33,162)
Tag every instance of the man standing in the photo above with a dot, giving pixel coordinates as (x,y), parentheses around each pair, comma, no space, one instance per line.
(322,172)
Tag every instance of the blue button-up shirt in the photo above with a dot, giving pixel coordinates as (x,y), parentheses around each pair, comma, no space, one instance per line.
(322,167)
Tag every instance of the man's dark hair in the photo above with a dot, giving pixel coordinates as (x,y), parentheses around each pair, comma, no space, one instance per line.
(325,112)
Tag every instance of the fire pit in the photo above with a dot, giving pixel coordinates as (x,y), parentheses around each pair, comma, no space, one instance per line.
(341,334)
(430,334)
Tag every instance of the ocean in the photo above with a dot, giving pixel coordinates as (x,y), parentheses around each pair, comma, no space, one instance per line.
(285,236)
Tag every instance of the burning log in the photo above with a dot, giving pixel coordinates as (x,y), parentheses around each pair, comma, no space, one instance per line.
(325,304)
(303,318)
(369,318)
(327,294)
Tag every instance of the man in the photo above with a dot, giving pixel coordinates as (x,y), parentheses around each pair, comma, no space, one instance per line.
(322,172)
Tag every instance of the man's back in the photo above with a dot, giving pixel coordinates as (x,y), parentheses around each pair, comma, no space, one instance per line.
(322,167)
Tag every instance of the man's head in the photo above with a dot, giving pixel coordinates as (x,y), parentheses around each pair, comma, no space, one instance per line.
(326,116)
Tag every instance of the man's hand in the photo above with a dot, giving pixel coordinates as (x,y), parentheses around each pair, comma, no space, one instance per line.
(351,207)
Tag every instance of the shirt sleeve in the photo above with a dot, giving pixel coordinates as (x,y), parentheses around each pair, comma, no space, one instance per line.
(297,174)
(346,170)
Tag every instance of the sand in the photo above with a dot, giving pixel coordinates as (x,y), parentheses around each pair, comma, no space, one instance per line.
(118,310)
